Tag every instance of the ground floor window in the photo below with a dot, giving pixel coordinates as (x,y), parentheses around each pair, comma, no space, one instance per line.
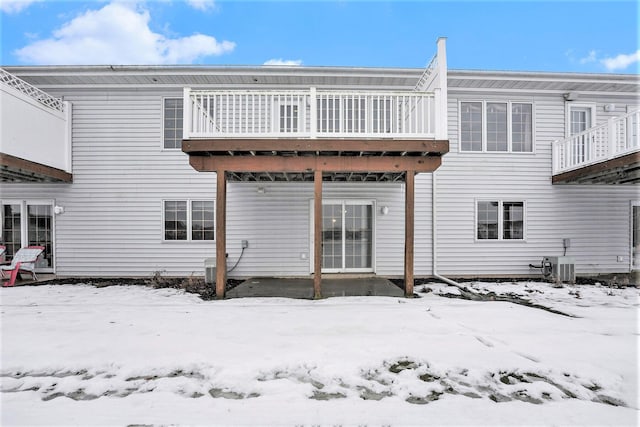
(188,220)
(28,223)
(500,220)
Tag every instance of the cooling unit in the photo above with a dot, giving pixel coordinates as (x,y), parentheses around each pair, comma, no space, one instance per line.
(559,268)
(210,270)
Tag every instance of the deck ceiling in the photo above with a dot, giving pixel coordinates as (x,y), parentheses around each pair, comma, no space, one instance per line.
(14,169)
(296,160)
(621,170)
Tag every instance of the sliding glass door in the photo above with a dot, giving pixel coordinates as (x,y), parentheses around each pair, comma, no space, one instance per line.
(28,223)
(347,236)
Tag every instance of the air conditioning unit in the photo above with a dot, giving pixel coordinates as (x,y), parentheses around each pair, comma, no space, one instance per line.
(559,268)
(210,271)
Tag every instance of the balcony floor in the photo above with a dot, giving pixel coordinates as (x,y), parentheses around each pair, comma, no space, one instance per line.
(621,170)
(15,169)
(295,160)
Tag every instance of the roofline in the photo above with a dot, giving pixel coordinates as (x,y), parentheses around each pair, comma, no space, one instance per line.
(202,69)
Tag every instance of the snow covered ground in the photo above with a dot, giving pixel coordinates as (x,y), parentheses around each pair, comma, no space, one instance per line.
(79,355)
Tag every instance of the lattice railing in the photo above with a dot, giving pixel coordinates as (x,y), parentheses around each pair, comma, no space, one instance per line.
(31,91)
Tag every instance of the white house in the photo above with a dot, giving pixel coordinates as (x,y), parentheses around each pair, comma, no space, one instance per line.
(118,170)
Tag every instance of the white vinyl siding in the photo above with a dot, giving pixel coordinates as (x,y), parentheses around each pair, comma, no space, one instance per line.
(491,126)
(120,178)
(594,217)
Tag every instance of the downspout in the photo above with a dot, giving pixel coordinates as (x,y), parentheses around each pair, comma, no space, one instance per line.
(434,236)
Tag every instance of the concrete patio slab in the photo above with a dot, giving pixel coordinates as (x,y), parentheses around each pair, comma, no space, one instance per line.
(302,288)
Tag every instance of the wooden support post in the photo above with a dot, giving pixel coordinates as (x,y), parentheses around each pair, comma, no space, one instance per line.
(221,235)
(409,204)
(317,234)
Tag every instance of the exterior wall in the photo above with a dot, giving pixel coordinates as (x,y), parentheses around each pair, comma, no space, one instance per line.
(278,225)
(112,220)
(595,217)
(112,224)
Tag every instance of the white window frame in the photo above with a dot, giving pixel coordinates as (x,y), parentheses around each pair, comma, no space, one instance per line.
(24,226)
(370,202)
(189,221)
(509,103)
(292,102)
(164,99)
(501,203)
(569,105)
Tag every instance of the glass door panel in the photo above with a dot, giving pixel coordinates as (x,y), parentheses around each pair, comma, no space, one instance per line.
(347,237)
(358,236)
(332,237)
(40,232)
(11,235)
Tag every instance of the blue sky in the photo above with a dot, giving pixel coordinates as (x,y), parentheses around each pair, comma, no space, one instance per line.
(575,36)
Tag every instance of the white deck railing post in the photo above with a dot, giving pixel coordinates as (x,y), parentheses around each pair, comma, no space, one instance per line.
(313,113)
(613,137)
(186,113)
(441,104)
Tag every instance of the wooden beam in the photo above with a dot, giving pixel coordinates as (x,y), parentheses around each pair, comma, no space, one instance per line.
(221,233)
(315,145)
(34,171)
(313,163)
(409,204)
(317,234)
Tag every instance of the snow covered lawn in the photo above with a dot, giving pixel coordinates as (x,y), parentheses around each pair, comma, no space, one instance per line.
(79,355)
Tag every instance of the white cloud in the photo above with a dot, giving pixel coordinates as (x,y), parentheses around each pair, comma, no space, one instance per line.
(621,61)
(288,62)
(201,4)
(591,57)
(118,34)
(15,6)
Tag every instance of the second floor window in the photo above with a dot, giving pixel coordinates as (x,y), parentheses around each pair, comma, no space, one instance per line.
(496,126)
(172,113)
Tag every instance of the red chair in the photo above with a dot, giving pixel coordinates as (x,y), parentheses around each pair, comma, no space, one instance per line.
(23,261)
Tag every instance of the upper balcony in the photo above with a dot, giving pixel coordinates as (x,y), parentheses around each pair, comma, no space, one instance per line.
(604,154)
(312,113)
(35,136)
(352,135)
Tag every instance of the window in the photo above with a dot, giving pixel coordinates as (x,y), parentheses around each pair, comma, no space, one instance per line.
(289,116)
(498,220)
(188,220)
(172,123)
(496,126)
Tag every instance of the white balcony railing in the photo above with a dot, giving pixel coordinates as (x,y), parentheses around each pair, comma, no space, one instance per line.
(617,137)
(310,114)
(31,91)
